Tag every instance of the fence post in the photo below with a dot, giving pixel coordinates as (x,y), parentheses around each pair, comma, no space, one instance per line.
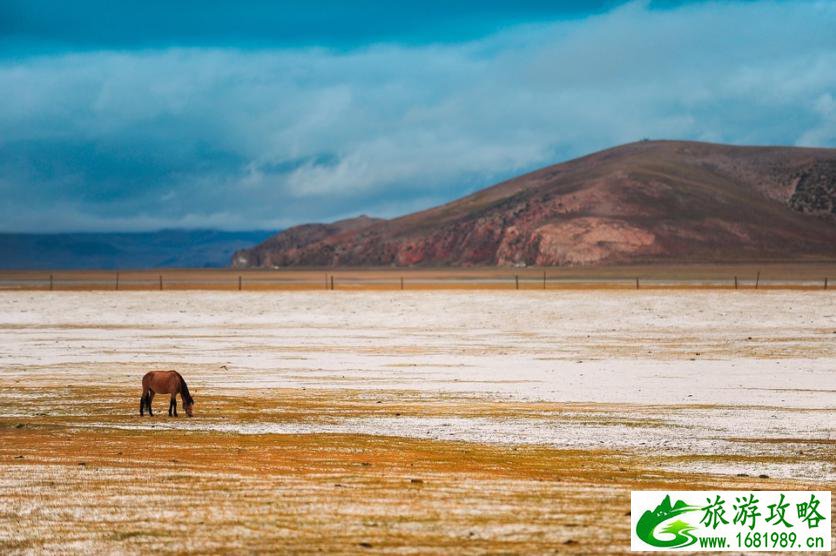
(161,282)
(735,282)
(401,282)
(517,281)
(757,279)
(544,279)
(637,283)
(239,282)
(825,282)
(332,283)
(50,282)
(117,281)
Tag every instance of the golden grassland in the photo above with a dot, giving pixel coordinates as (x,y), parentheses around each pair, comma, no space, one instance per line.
(770,275)
(76,477)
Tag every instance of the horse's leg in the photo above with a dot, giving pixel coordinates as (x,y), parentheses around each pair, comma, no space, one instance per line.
(143,401)
(174,403)
(150,401)
(172,407)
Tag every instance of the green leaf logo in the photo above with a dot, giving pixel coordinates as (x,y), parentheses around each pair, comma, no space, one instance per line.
(681,531)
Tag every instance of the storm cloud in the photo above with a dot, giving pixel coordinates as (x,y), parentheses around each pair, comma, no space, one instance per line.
(233,137)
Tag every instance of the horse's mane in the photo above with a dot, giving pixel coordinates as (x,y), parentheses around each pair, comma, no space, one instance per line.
(187,397)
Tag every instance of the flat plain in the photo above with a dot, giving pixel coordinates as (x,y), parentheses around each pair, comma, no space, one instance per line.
(469,421)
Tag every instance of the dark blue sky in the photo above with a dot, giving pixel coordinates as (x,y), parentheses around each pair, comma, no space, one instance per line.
(138,115)
(236,23)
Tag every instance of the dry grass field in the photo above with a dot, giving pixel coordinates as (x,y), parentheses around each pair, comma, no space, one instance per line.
(401,422)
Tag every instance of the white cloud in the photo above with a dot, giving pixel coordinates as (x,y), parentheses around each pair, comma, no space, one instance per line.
(264,138)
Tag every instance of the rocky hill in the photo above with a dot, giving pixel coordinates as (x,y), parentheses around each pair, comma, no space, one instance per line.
(650,201)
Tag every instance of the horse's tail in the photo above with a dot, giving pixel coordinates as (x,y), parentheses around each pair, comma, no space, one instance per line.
(184,389)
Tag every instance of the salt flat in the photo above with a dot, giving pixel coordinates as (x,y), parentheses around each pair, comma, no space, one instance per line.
(710,385)
(748,348)
(764,361)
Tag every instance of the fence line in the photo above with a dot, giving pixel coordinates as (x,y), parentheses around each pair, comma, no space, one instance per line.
(119,282)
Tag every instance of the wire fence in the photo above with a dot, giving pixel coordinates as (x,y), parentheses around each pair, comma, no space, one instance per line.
(385,280)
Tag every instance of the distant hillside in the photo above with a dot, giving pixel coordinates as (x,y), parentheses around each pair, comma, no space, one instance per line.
(671,201)
(166,248)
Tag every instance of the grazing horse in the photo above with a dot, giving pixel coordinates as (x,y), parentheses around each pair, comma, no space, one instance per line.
(165,382)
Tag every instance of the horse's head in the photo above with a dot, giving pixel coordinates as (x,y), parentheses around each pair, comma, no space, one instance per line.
(188,406)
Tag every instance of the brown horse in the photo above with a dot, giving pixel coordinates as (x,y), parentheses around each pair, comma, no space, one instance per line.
(165,382)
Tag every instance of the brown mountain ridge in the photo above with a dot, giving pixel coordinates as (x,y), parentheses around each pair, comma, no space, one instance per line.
(665,201)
